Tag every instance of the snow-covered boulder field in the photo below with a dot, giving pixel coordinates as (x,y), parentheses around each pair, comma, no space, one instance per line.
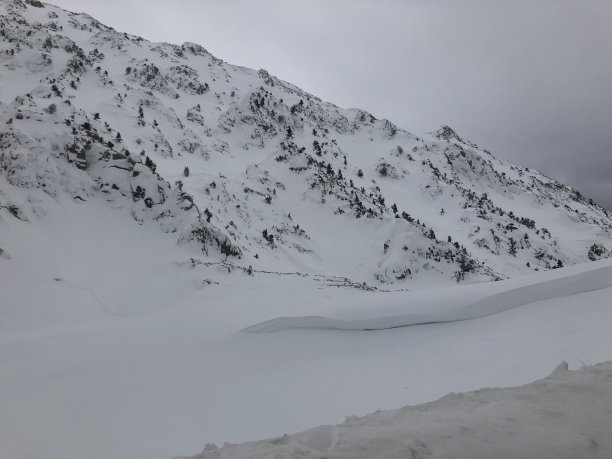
(564,416)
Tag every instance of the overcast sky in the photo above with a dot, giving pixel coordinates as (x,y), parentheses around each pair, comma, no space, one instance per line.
(531,80)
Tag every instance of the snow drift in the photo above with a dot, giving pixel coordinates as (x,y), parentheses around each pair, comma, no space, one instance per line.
(533,290)
(564,416)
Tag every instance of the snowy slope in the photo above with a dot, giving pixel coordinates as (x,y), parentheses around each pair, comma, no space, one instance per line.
(125,285)
(140,355)
(278,179)
(563,416)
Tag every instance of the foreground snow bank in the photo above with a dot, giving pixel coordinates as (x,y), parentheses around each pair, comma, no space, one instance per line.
(566,415)
(528,290)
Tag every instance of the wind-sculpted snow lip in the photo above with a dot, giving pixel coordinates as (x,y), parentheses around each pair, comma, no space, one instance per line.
(594,279)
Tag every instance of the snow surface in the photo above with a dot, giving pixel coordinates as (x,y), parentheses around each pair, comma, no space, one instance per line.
(567,415)
(141,355)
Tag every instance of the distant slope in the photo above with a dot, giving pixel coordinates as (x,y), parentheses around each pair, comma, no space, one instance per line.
(250,168)
(565,416)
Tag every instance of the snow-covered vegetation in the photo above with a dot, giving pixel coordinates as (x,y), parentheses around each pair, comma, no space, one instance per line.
(156,201)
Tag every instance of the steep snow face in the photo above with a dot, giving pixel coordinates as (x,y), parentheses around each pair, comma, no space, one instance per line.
(566,415)
(245,167)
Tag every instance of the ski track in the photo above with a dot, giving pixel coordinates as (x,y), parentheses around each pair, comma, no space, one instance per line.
(494,304)
(87,290)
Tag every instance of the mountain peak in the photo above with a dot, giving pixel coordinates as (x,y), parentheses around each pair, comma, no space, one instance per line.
(447,133)
(195,49)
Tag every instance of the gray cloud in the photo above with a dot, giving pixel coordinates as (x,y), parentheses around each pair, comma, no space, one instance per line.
(529,80)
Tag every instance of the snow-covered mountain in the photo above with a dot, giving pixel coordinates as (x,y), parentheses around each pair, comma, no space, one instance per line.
(155,201)
(252,171)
